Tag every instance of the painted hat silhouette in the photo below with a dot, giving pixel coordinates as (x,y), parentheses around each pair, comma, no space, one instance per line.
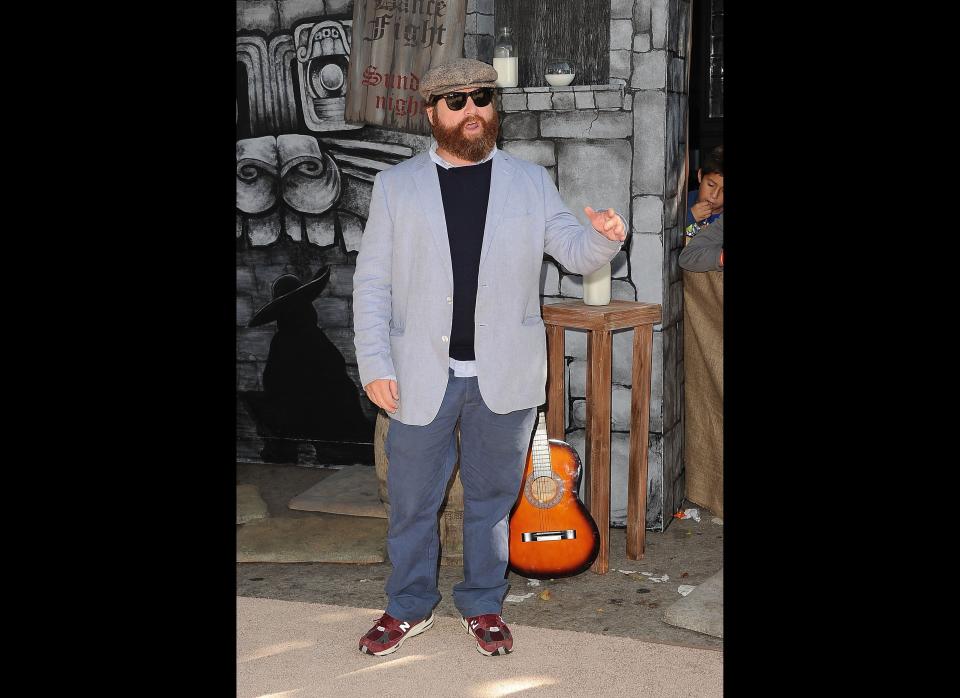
(287,289)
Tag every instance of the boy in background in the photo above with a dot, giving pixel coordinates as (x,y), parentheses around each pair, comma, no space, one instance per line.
(704,205)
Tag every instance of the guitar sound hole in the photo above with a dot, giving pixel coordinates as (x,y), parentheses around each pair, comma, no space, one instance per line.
(544,491)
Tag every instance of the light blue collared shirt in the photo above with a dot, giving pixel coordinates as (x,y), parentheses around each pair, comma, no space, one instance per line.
(447,165)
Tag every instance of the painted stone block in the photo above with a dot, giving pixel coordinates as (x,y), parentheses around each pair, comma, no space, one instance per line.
(649,70)
(595,174)
(540,152)
(646,261)
(621,34)
(564,101)
(585,100)
(539,101)
(649,139)
(647,214)
(523,125)
(586,124)
(622,290)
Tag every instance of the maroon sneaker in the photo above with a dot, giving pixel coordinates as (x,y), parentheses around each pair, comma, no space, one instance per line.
(388,633)
(491,633)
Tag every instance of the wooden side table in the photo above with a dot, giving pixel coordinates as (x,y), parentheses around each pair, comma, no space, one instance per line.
(600,321)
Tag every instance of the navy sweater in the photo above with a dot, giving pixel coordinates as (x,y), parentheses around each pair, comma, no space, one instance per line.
(465,191)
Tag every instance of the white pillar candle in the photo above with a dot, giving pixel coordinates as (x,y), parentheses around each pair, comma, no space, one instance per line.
(596,286)
(506,71)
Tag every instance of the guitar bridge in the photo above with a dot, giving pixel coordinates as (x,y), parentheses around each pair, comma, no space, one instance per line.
(537,536)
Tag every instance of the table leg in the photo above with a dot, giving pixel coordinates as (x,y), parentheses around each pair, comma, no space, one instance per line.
(597,444)
(639,433)
(556,400)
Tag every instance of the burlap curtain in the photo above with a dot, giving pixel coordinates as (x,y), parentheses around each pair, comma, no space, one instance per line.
(703,388)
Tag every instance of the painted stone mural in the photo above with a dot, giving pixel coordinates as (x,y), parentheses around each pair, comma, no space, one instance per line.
(303,180)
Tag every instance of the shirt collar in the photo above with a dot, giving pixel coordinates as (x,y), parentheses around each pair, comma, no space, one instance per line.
(446,165)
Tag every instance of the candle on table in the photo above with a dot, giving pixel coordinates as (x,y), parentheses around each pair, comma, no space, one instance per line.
(596,286)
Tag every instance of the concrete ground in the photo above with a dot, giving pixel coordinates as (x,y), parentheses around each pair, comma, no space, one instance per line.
(617,604)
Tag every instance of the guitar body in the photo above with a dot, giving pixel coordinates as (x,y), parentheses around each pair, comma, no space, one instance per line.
(552,534)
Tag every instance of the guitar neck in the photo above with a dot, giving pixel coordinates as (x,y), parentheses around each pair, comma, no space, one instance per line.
(540,450)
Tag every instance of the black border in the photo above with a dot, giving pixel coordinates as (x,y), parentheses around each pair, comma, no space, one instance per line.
(168,441)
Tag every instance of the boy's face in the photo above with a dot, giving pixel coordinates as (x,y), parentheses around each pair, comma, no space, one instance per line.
(711,190)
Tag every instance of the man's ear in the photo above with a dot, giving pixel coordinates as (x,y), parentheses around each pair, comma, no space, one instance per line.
(429,111)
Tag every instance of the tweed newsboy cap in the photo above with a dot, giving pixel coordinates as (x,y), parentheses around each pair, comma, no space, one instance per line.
(456,75)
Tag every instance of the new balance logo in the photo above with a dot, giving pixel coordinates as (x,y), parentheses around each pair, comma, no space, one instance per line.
(404,626)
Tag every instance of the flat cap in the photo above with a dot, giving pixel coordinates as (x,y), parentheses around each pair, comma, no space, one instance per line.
(456,75)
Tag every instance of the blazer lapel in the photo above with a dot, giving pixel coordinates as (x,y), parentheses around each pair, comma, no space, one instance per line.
(431,203)
(500,181)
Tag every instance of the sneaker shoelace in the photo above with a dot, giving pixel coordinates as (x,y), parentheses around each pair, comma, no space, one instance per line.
(383,624)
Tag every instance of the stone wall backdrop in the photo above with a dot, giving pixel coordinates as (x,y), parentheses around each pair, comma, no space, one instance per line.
(304,182)
(621,144)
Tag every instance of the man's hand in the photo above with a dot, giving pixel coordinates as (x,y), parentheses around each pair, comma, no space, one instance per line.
(607,223)
(701,210)
(384,393)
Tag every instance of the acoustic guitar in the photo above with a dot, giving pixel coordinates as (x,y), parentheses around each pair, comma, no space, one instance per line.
(551,532)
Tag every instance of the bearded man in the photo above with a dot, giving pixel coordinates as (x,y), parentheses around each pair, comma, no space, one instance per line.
(446,310)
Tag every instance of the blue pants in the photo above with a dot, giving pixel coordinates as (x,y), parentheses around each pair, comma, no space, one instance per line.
(493,450)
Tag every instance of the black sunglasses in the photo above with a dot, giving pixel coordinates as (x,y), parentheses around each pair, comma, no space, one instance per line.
(458,100)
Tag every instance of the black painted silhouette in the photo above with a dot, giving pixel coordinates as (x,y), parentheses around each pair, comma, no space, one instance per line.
(307,393)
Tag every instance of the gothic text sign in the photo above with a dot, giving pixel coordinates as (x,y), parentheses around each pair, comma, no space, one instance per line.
(394,43)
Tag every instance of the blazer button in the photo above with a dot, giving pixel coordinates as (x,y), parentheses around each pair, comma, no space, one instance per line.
(449,299)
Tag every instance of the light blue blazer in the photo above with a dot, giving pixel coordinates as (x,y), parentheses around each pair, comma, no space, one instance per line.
(403,284)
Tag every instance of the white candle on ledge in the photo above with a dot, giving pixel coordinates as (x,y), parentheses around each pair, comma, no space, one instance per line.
(596,286)
(506,71)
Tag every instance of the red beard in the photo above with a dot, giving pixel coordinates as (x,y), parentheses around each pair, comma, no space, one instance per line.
(471,148)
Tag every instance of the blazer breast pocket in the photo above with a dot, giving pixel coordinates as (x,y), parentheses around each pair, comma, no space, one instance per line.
(512,216)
